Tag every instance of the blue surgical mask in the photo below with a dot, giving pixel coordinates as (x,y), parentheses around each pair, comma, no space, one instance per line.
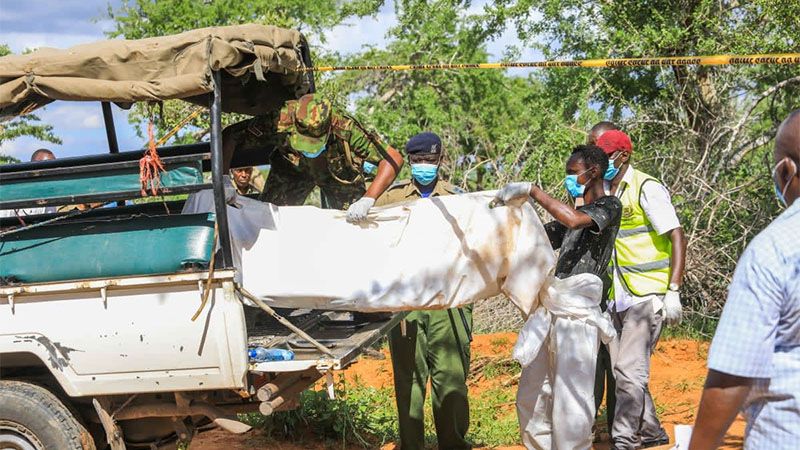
(574,188)
(781,197)
(612,171)
(313,155)
(424,174)
(369,168)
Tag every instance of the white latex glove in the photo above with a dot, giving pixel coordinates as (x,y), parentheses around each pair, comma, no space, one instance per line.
(510,192)
(357,212)
(673,311)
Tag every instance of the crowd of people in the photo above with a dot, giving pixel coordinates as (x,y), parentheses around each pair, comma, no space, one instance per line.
(620,226)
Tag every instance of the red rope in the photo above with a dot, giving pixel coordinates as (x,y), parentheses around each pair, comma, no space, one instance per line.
(150,165)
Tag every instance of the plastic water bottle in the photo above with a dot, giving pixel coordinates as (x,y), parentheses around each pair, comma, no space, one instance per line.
(262,354)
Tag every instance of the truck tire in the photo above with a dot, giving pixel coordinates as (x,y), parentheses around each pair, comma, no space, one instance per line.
(32,418)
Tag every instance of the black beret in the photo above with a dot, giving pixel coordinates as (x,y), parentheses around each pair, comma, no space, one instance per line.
(426,142)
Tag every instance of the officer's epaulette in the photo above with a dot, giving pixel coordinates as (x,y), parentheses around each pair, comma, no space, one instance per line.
(453,189)
(399,184)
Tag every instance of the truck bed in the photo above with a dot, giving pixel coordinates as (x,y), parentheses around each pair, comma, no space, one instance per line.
(337,330)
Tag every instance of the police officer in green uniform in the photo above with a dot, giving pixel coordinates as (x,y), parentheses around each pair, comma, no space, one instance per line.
(314,144)
(435,344)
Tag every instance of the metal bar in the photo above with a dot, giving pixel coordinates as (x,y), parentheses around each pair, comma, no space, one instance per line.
(220,417)
(129,282)
(285,322)
(216,172)
(466,325)
(201,148)
(169,161)
(288,394)
(111,132)
(99,198)
(139,209)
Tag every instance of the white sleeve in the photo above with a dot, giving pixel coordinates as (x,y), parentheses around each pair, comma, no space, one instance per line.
(657,204)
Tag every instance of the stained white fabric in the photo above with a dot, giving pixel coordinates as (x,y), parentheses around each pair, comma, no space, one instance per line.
(245,220)
(557,348)
(434,253)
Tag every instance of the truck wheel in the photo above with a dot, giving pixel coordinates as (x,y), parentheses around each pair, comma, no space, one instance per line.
(32,418)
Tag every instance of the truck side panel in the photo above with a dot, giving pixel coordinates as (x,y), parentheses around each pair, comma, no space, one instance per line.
(140,339)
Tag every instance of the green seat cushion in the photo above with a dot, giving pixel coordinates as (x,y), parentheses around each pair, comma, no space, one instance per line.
(99,182)
(103,248)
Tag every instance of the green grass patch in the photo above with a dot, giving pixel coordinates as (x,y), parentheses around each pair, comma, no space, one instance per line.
(366,417)
(359,415)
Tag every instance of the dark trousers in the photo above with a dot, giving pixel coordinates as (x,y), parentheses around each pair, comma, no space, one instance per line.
(604,383)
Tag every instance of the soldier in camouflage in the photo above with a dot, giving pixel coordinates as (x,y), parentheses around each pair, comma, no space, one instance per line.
(314,144)
(436,343)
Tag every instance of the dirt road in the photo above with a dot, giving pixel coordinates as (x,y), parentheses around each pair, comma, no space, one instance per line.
(678,374)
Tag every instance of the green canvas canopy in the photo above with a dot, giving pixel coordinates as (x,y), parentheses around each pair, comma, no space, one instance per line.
(259,65)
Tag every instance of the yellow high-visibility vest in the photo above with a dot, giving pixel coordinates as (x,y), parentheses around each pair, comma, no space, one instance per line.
(642,257)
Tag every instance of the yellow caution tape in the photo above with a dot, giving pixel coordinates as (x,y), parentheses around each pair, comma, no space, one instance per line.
(713,60)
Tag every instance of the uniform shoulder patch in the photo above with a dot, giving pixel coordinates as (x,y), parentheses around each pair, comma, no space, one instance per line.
(399,184)
(453,189)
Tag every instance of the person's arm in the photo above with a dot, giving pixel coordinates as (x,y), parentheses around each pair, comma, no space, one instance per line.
(566,214)
(723,397)
(678,258)
(388,169)
(555,233)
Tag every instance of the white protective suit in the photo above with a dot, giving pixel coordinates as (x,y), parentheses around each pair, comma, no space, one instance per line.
(557,348)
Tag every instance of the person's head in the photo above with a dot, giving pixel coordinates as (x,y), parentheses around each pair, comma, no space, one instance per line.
(424,152)
(242,176)
(597,130)
(786,172)
(585,168)
(309,124)
(617,146)
(42,154)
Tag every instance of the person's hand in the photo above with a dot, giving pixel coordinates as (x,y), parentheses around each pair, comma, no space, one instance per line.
(357,212)
(673,311)
(510,192)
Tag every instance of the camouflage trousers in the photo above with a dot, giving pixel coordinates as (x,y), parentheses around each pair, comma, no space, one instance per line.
(290,185)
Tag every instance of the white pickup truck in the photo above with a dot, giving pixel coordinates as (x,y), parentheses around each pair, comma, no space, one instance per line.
(122,326)
(119,361)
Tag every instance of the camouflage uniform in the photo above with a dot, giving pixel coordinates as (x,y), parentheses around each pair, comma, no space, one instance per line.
(435,346)
(338,171)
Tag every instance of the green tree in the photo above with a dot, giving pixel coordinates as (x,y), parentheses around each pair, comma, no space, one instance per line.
(703,130)
(489,122)
(137,19)
(28,125)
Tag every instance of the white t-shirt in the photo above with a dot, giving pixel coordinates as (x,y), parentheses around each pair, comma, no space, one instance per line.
(657,205)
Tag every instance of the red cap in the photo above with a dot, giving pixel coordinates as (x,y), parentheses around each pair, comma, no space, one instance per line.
(614,140)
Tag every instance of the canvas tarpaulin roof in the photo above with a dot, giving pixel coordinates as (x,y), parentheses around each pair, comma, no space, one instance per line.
(259,66)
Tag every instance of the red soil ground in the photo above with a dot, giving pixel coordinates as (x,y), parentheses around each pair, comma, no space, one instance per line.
(677,375)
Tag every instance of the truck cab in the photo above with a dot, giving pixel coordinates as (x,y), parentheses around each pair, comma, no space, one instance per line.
(122,324)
